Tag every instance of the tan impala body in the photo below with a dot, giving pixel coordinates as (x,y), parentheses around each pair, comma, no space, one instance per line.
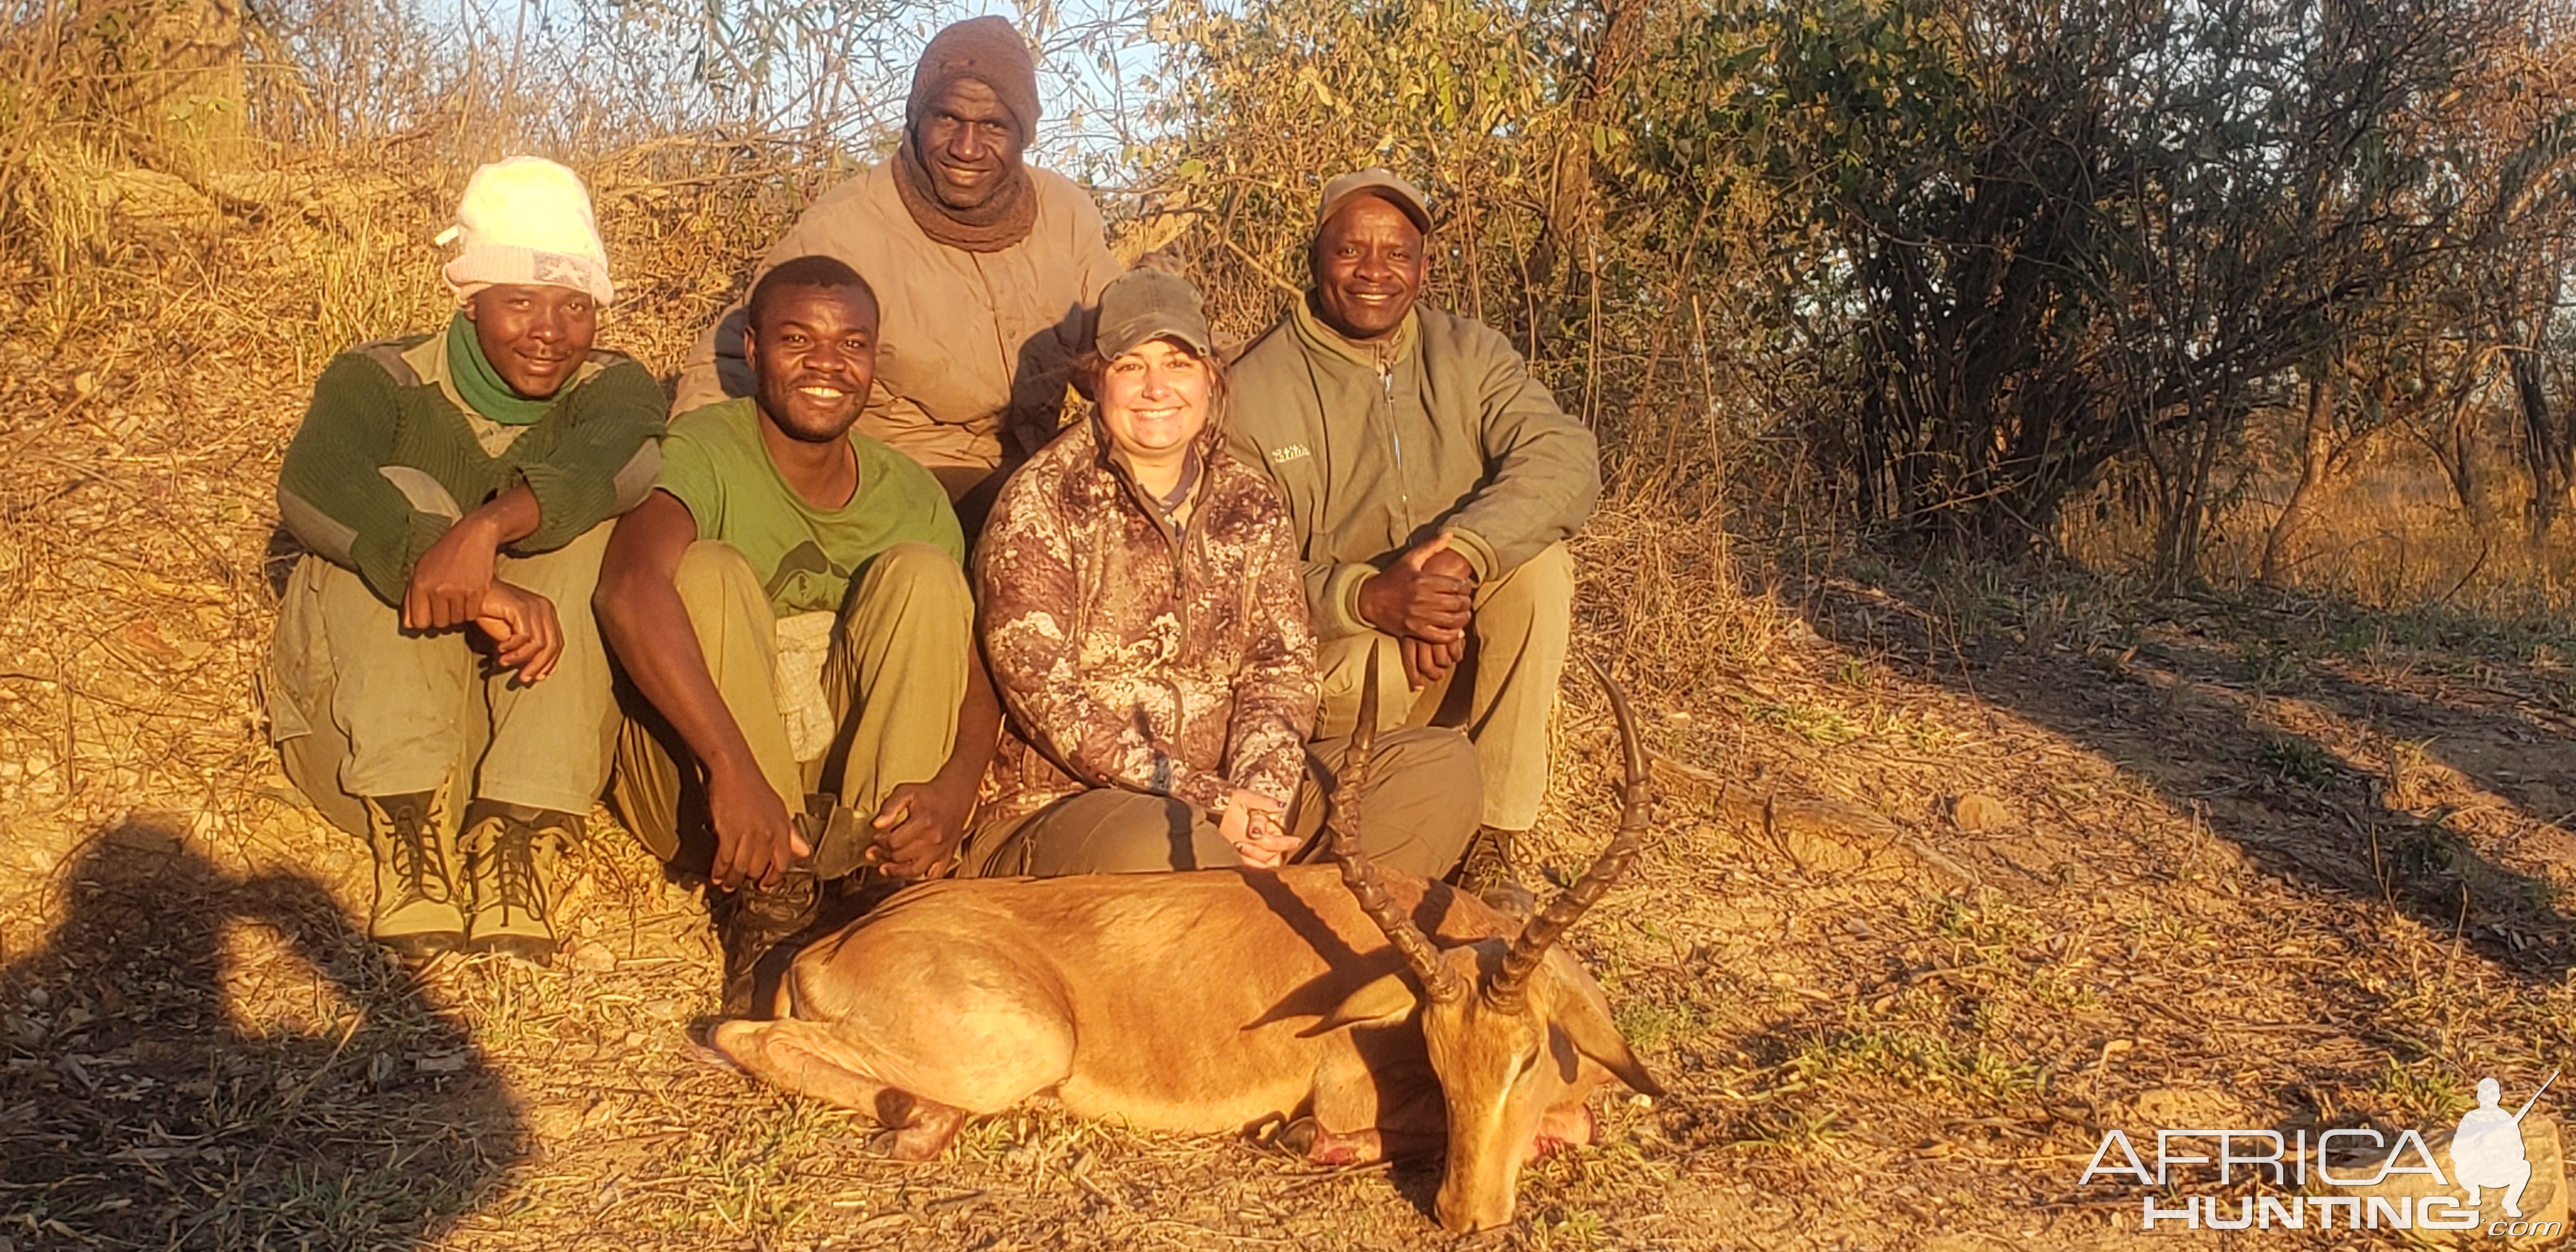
(1392,1012)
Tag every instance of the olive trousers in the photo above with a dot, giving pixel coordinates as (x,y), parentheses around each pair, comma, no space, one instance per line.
(1414,814)
(893,678)
(1501,694)
(359,706)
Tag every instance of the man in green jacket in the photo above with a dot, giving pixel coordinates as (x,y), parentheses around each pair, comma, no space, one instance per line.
(1432,483)
(434,647)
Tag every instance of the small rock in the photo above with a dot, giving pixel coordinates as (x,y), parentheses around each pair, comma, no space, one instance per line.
(444,1063)
(2177,1107)
(1976,812)
(593,958)
(554,1121)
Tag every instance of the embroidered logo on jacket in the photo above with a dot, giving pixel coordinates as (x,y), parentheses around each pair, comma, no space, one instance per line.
(1282,456)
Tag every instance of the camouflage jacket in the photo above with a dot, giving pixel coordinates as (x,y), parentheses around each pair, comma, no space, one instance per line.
(1131,655)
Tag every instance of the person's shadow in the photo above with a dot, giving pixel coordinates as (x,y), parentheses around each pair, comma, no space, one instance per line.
(195,1059)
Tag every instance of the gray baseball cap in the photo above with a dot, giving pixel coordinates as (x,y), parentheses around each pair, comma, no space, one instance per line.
(1147,304)
(1383,183)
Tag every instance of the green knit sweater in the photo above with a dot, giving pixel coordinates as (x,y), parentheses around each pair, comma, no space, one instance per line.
(389,456)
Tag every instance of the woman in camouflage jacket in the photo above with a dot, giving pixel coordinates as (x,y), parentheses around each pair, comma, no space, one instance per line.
(1144,615)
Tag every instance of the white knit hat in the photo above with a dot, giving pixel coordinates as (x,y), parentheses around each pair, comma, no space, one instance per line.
(526,220)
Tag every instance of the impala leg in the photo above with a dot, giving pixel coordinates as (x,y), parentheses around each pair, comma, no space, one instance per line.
(1309,1138)
(1353,1121)
(1565,1126)
(805,1057)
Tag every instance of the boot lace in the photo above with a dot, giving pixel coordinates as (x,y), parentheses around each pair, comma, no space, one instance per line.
(514,868)
(423,876)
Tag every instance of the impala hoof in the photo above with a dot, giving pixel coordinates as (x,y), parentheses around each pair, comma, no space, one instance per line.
(1298,1138)
(1308,1139)
(705,1043)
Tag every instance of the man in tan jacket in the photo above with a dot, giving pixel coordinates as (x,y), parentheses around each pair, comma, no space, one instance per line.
(1432,483)
(984,269)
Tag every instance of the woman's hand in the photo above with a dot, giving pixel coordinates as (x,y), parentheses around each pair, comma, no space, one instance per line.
(1257,826)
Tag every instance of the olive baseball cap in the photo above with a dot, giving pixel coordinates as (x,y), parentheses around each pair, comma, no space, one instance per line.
(1147,304)
(1383,183)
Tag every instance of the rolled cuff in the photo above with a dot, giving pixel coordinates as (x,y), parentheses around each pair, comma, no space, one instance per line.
(1337,605)
(1199,789)
(1480,554)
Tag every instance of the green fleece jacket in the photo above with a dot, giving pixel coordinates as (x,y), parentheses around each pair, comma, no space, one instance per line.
(390,455)
(1379,446)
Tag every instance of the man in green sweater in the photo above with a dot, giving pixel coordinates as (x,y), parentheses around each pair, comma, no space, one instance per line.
(1432,483)
(435,649)
(792,609)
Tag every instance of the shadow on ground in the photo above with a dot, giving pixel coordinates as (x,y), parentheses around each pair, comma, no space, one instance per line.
(2316,769)
(201,1060)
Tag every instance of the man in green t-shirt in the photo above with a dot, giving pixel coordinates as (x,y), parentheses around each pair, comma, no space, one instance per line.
(434,649)
(791,607)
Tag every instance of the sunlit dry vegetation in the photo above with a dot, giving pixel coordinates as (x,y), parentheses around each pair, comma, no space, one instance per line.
(2085,529)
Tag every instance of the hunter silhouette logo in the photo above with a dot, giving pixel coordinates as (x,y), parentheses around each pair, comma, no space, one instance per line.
(2346,1177)
(2487,1150)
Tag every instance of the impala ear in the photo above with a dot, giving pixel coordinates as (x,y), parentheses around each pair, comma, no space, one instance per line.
(1388,999)
(1585,1019)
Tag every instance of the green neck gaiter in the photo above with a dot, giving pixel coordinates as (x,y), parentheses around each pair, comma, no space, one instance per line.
(481,385)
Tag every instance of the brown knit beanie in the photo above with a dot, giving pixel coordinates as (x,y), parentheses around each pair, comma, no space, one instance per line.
(988,50)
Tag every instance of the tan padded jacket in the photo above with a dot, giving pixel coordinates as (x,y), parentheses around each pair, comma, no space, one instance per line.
(972,348)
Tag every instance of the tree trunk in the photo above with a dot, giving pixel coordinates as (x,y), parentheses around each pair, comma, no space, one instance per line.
(185,85)
(2456,448)
(1572,180)
(2544,446)
(2185,502)
(2316,446)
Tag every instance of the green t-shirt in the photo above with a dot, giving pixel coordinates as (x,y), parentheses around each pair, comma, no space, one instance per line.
(713,462)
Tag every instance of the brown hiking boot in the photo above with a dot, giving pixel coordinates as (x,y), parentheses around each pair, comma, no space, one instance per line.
(1486,873)
(756,928)
(416,911)
(512,854)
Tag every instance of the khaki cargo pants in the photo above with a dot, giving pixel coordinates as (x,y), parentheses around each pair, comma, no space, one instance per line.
(358,706)
(1414,815)
(1500,694)
(893,678)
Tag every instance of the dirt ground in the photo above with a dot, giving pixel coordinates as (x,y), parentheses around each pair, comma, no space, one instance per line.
(1953,873)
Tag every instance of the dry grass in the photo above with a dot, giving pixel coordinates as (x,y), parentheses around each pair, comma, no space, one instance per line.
(2267,862)
(2386,530)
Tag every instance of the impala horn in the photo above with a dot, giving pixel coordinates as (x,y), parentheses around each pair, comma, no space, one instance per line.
(1637,801)
(1360,874)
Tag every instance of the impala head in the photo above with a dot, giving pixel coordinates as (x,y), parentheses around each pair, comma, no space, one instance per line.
(1509,1026)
